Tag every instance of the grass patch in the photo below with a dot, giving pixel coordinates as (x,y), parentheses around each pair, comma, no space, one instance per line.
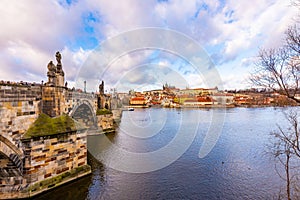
(103,112)
(45,125)
(51,182)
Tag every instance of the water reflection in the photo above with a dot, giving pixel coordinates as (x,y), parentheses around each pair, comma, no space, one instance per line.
(98,180)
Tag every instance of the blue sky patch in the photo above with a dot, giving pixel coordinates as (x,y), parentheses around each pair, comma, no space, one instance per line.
(66,3)
(84,42)
(89,20)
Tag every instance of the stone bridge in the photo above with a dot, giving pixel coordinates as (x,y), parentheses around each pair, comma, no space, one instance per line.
(20,106)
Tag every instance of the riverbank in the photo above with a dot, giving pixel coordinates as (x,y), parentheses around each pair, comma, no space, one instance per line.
(219,106)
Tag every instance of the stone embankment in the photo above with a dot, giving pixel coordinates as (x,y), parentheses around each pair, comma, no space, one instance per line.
(107,123)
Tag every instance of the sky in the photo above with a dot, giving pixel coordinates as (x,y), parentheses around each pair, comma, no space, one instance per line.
(195,43)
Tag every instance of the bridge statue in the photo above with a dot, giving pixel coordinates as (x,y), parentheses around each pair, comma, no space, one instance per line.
(101,88)
(58,57)
(55,73)
(51,73)
(60,79)
(59,65)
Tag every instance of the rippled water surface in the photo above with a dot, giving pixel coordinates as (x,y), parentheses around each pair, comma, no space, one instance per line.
(238,166)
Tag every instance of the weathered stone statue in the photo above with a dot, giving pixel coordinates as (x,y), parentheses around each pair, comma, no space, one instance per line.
(59,65)
(101,88)
(51,68)
(55,73)
(51,73)
(60,79)
(58,57)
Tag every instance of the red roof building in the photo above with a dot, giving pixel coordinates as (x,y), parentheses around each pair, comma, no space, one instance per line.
(138,101)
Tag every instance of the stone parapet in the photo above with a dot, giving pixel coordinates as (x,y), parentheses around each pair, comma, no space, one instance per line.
(11,93)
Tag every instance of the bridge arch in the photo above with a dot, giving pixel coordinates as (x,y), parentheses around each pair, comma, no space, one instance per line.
(12,152)
(84,112)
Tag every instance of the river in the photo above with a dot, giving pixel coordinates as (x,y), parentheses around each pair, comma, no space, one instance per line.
(238,166)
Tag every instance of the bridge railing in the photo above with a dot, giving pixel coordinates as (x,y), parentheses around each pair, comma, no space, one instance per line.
(12,93)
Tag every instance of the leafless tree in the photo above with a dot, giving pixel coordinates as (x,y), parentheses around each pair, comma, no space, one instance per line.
(293,39)
(279,69)
(285,148)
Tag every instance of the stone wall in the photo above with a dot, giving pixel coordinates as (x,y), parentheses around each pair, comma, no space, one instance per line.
(49,156)
(105,122)
(18,92)
(117,115)
(53,100)
(53,160)
(13,126)
(19,108)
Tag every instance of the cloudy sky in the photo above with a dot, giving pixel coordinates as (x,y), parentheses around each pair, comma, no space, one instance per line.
(230,32)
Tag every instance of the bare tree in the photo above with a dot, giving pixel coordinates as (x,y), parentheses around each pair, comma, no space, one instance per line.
(293,39)
(285,148)
(279,69)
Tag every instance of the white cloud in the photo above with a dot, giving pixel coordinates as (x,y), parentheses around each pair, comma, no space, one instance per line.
(256,24)
(32,31)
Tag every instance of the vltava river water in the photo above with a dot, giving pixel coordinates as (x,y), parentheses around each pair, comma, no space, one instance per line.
(238,167)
